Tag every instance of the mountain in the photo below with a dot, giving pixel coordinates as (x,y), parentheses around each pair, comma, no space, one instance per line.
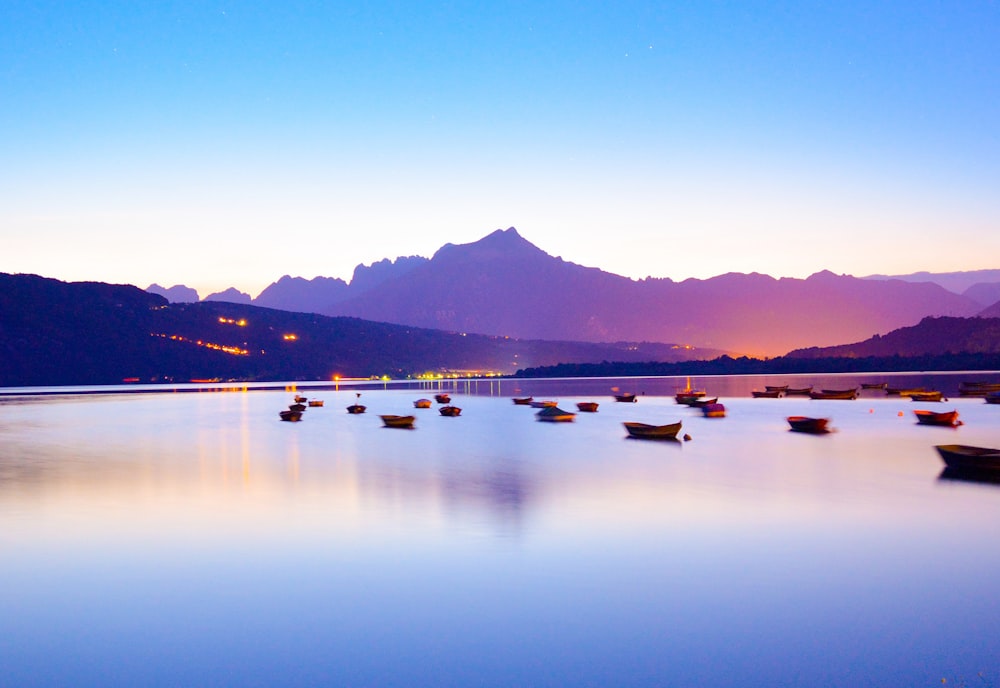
(503,284)
(929,336)
(957,282)
(369,276)
(299,294)
(230,295)
(991,312)
(175,294)
(984,293)
(58,333)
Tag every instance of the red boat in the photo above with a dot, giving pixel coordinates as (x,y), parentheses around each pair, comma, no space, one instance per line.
(946,418)
(815,426)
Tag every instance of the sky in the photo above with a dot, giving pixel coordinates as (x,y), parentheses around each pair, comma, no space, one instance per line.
(226,144)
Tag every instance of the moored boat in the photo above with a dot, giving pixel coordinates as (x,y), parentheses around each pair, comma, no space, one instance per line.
(298,408)
(874,385)
(977,389)
(701,403)
(903,391)
(815,426)
(392,421)
(965,457)
(946,418)
(627,398)
(523,401)
(450,411)
(422,403)
(291,416)
(776,388)
(587,406)
(834,394)
(798,391)
(313,403)
(645,431)
(356,408)
(545,403)
(442,398)
(766,394)
(554,414)
(926,396)
(714,411)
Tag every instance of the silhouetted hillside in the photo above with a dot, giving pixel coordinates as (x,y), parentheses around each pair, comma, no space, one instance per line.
(57,333)
(929,336)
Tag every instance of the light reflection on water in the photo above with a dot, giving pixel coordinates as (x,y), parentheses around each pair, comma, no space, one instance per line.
(194,539)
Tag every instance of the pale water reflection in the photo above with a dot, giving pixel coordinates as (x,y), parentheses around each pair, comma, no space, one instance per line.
(194,539)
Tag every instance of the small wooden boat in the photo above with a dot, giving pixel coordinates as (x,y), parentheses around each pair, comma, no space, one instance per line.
(645,431)
(834,394)
(298,408)
(523,401)
(926,396)
(291,416)
(422,403)
(300,400)
(450,411)
(714,411)
(964,457)
(993,398)
(946,418)
(701,403)
(903,391)
(542,404)
(798,391)
(313,403)
(587,406)
(977,389)
(626,398)
(442,398)
(554,414)
(776,388)
(765,394)
(356,408)
(874,385)
(398,421)
(815,426)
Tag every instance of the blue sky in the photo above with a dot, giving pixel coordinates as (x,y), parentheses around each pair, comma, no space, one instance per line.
(227,144)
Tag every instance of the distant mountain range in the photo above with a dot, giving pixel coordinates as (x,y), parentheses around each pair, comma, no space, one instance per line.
(58,333)
(504,285)
(982,286)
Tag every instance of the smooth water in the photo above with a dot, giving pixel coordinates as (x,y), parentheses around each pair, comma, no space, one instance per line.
(194,539)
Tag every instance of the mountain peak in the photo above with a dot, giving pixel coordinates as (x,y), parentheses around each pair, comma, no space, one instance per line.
(499,243)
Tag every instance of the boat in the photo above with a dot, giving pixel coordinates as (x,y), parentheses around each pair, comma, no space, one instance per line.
(356,408)
(798,391)
(450,411)
(766,394)
(313,403)
(300,400)
(298,408)
(834,394)
(714,411)
(926,396)
(626,398)
(993,398)
(903,391)
(645,431)
(815,426)
(542,404)
(947,418)
(523,401)
(977,389)
(776,388)
(398,421)
(587,406)
(442,398)
(701,403)
(554,414)
(967,458)
(291,416)
(422,403)
(874,385)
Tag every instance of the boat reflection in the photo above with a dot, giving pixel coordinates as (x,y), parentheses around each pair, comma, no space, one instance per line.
(969,475)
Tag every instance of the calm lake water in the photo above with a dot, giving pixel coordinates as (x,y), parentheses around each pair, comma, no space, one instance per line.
(193,539)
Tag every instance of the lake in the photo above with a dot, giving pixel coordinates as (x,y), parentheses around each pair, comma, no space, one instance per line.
(181,539)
